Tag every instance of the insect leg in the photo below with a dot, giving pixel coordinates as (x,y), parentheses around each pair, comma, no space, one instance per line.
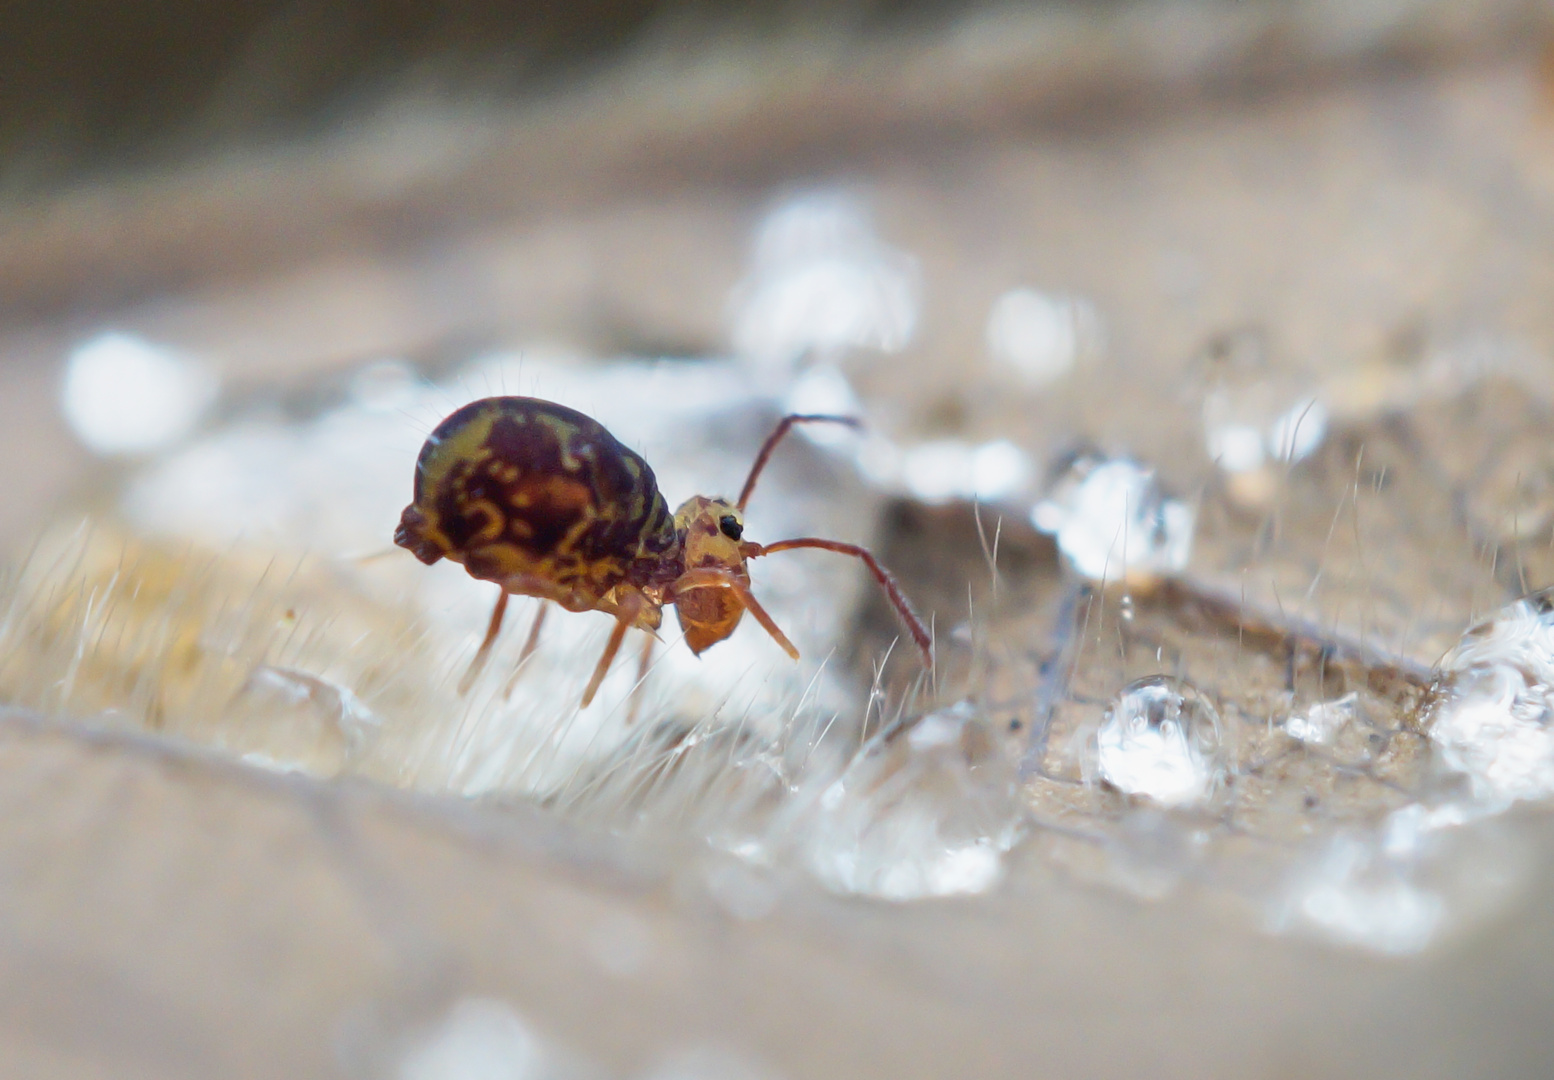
(360,558)
(712,575)
(484,651)
(642,673)
(626,613)
(909,618)
(529,645)
(533,640)
(776,436)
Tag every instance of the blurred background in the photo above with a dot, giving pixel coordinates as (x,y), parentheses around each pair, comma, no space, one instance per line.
(1205,353)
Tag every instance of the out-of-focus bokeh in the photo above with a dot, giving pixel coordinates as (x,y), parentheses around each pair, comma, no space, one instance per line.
(1203,351)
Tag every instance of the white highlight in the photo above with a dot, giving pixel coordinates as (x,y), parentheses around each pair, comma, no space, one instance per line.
(124,395)
(480,1039)
(1496,728)
(1037,336)
(1360,898)
(824,391)
(1299,431)
(930,814)
(292,720)
(1158,742)
(820,280)
(1495,718)
(1240,437)
(1235,448)
(1113,523)
(946,469)
(999,469)
(1322,721)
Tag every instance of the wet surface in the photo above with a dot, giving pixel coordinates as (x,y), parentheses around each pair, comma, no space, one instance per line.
(1241,688)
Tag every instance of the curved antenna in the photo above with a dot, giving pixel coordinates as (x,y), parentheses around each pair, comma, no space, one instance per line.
(776,437)
(909,618)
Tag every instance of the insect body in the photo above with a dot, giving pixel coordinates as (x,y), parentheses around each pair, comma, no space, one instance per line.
(545,502)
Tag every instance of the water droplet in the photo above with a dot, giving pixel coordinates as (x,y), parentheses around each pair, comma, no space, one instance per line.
(1397,889)
(1163,740)
(1323,720)
(1299,431)
(1494,715)
(999,469)
(946,469)
(479,1039)
(820,280)
(1039,336)
(1357,896)
(288,719)
(937,471)
(926,812)
(1235,448)
(1250,419)
(1113,522)
(124,395)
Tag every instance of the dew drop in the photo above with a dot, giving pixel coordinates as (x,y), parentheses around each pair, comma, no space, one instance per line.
(288,719)
(1323,720)
(1038,336)
(124,395)
(928,812)
(1493,718)
(1161,739)
(821,281)
(1355,895)
(1113,522)
(479,1039)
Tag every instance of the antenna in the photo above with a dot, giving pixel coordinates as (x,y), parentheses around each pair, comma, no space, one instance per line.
(776,437)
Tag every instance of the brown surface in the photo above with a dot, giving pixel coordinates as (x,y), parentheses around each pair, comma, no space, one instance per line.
(222,922)
(168,913)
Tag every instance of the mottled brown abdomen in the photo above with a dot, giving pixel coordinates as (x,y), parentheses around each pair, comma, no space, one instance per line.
(515,486)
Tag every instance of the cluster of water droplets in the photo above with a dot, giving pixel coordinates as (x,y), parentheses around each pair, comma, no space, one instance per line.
(925,810)
(1435,863)
(821,281)
(1494,717)
(930,805)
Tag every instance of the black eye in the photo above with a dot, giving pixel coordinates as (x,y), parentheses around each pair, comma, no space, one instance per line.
(731,526)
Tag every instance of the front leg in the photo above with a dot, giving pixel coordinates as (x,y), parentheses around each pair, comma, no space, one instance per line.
(628,609)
